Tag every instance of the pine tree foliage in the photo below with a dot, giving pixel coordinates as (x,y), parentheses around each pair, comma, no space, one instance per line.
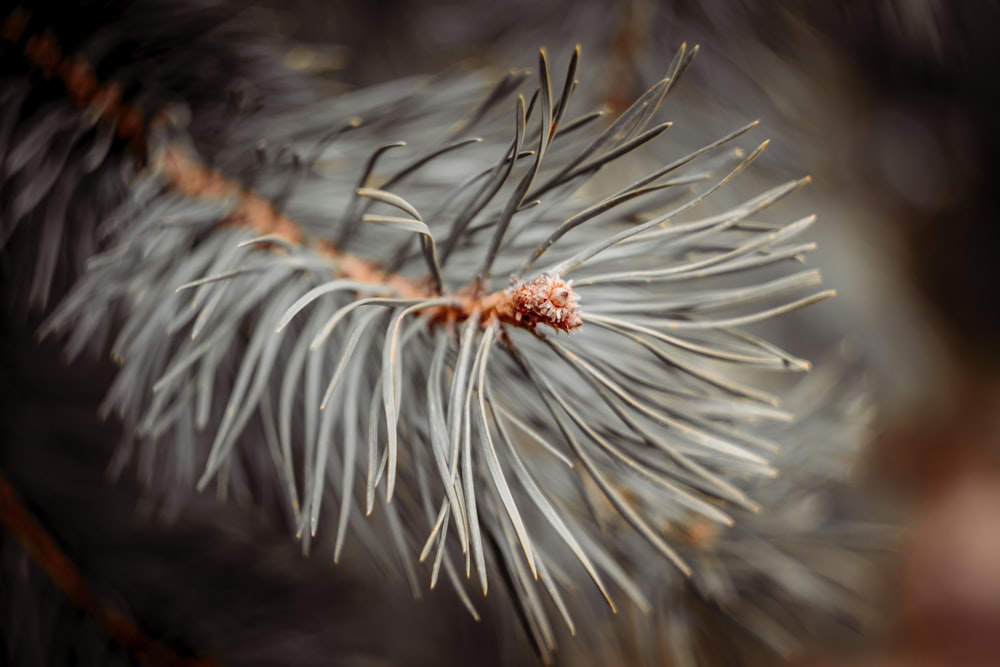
(432,318)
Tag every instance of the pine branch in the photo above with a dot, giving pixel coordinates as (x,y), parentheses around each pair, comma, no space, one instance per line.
(230,284)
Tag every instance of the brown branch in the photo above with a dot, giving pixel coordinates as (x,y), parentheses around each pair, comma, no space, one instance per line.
(546,300)
(43,51)
(47,555)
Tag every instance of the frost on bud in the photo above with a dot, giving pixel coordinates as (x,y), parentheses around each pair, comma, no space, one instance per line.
(548,299)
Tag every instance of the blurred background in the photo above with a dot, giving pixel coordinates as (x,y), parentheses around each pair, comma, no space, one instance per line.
(889,105)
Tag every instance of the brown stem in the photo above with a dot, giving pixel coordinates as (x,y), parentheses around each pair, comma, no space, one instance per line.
(542,301)
(46,554)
